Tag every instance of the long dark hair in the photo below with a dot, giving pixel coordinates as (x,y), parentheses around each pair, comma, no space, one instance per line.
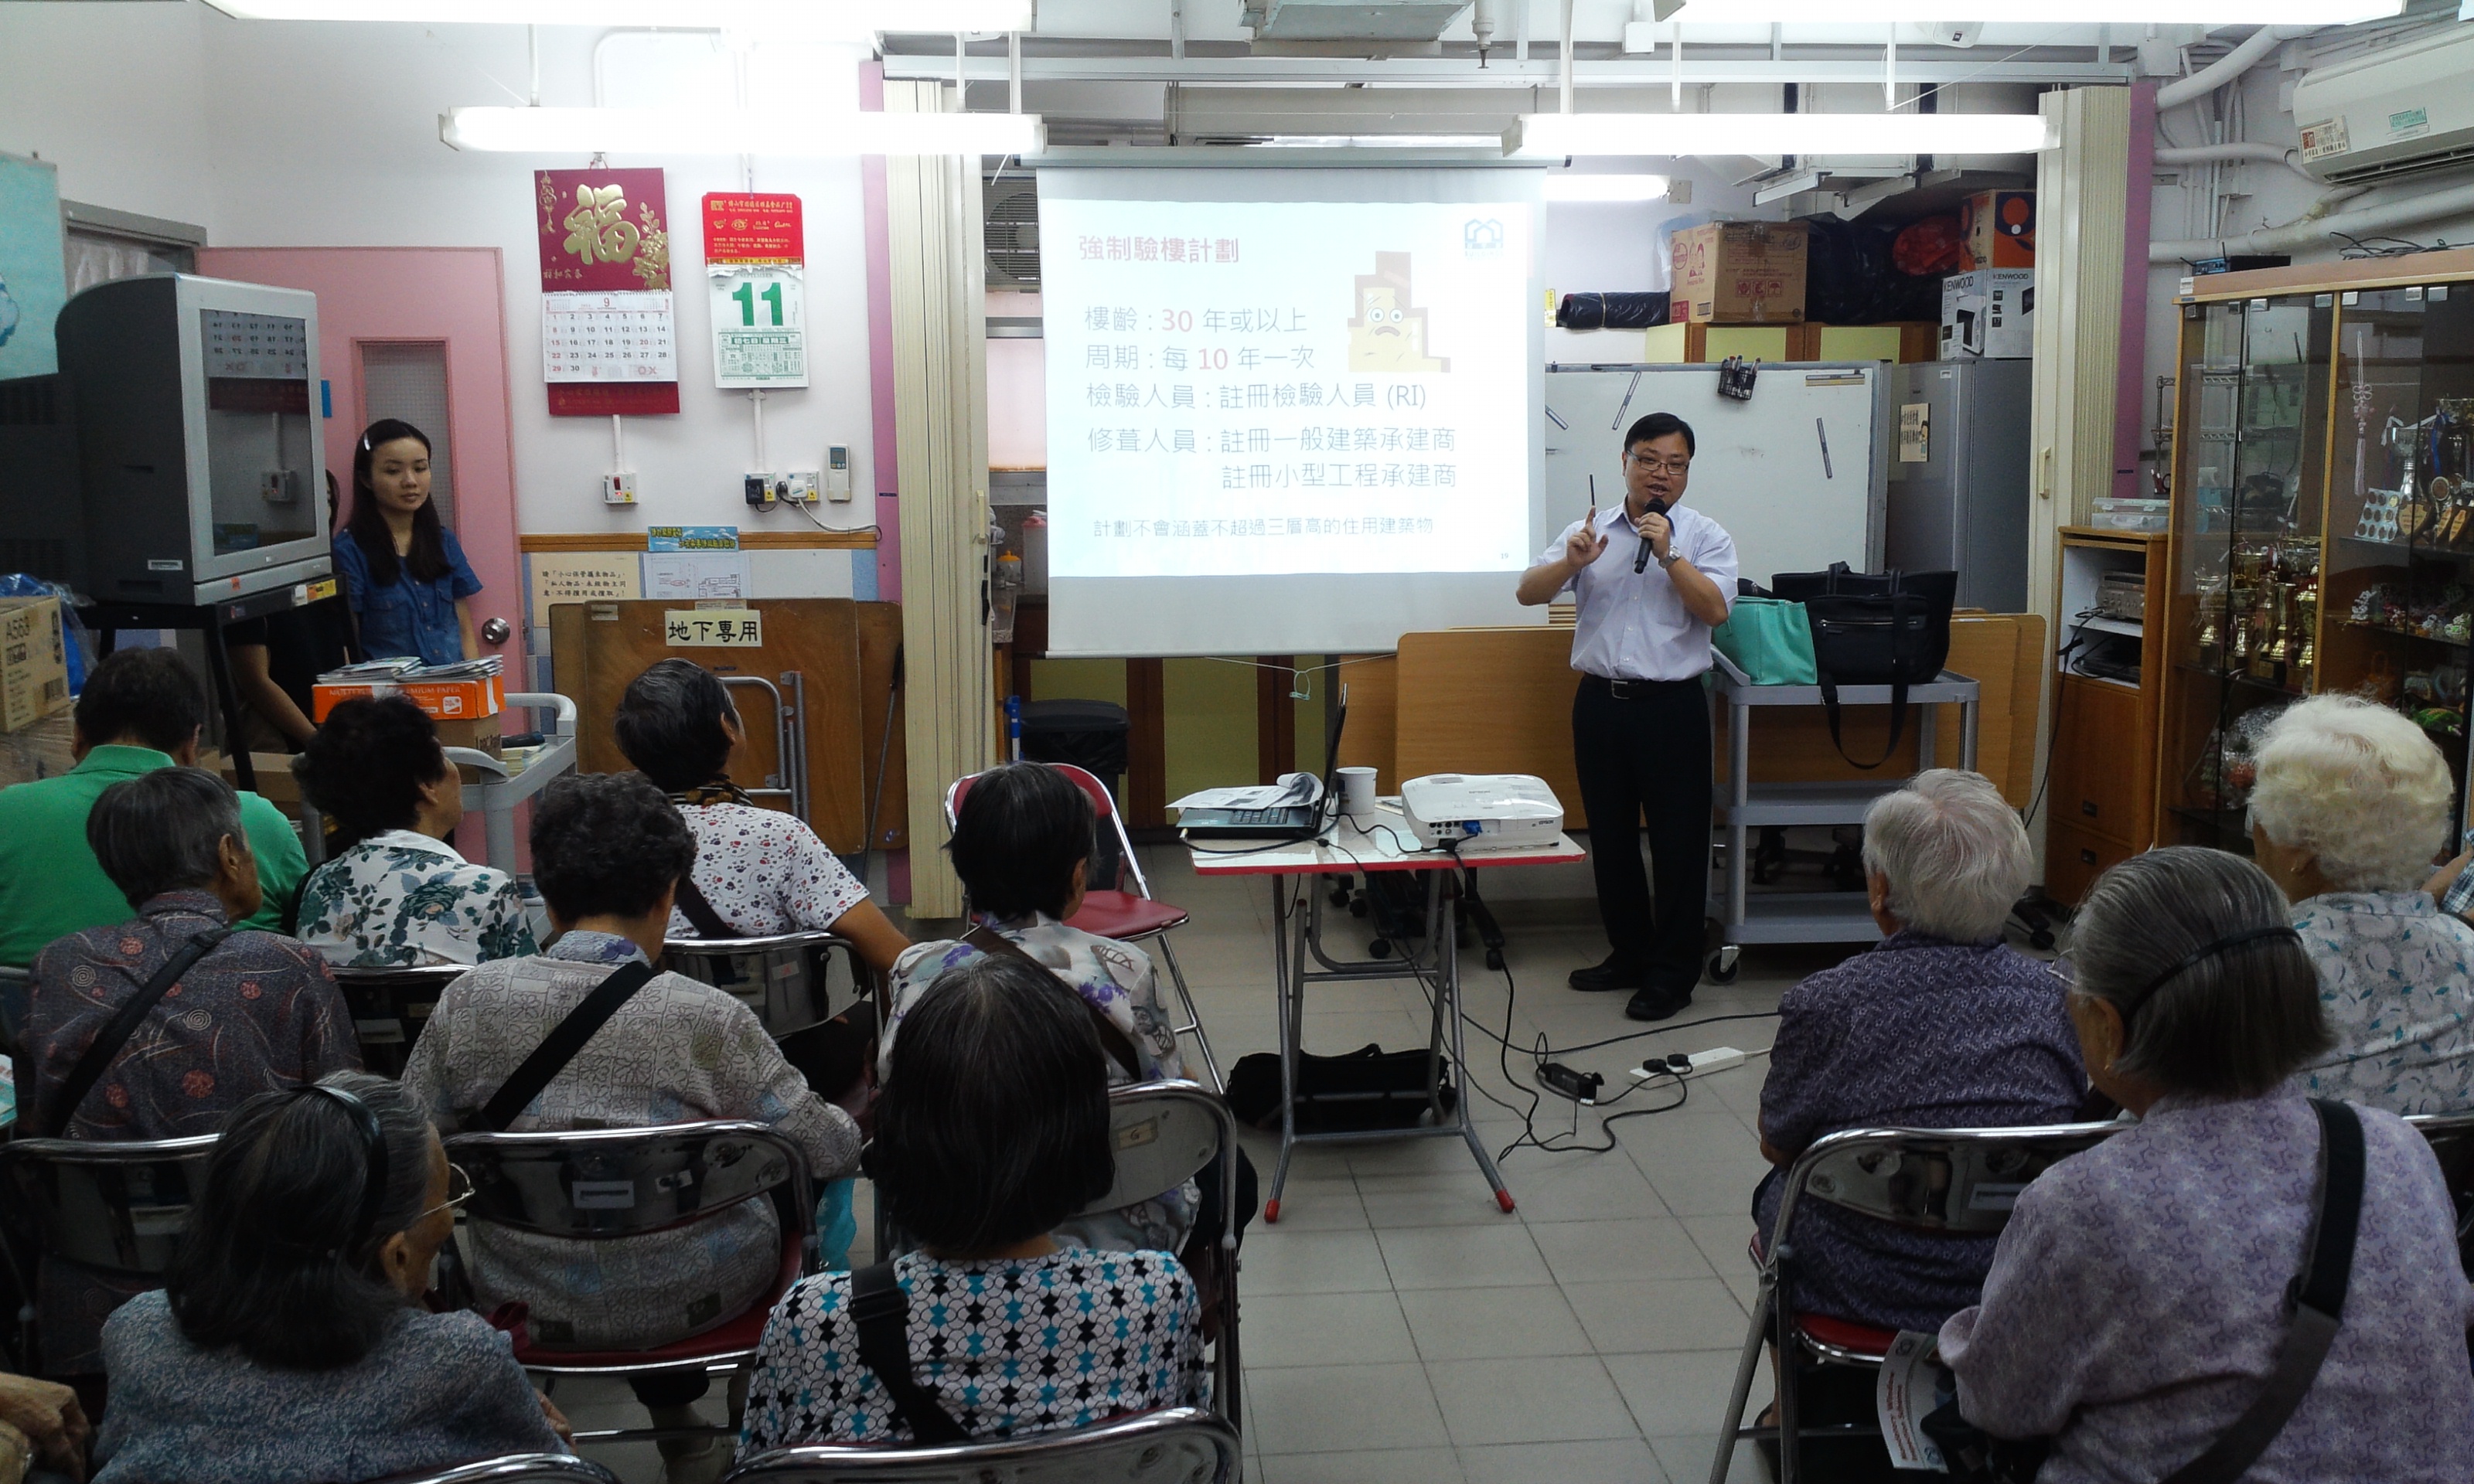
(427,558)
(280,1260)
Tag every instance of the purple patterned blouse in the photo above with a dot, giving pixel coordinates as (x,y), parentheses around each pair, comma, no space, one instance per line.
(2137,1302)
(1918,1033)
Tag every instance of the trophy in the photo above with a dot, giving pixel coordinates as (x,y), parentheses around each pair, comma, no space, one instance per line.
(2306,620)
(2274,651)
(2211,620)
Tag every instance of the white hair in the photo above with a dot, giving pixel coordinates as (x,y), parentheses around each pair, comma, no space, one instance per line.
(1953,851)
(2358,785)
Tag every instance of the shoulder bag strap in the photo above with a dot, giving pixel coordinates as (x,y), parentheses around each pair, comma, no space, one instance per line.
(698,909)
(1898,720)
(881,1312)
(105,1046)
(1113,1038)
(560,1046)
(2316,1300)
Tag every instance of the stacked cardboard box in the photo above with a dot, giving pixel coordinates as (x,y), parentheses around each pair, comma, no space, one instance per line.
(1739,272)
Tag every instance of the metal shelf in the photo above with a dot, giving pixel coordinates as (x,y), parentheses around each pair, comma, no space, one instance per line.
(1807,803)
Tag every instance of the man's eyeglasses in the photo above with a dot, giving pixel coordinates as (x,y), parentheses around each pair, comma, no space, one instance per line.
(1653,462)
(459,1189)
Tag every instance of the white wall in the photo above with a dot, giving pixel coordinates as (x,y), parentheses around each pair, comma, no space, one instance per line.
(301,134)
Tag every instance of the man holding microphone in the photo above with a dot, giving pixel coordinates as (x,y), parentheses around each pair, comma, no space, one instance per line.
(1651,580)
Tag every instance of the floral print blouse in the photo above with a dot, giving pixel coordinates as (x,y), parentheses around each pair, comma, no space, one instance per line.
(764,872)
(1006,1348)
(2396,979)
(399,900)
(1115,980)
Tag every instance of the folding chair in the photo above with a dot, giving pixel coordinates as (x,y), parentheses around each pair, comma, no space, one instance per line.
(2451,1137)
(1121,916)
(390,1007)
(1172,1445)
(591,1184)
(1959,1181)
(513,1469)
(788,979)
(112,1206)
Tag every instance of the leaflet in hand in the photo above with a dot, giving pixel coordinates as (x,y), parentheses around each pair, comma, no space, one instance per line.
(1294,789)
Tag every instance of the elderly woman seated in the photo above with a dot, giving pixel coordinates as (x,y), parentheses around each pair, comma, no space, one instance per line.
(609,853)
(1941,1025)
(758,872)
(2351,803)
(2140,1297)
(1022,844)
(289,1344)
(240,1012)
(992,1130)
(398,894)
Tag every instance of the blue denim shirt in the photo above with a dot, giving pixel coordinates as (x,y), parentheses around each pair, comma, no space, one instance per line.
(408,617)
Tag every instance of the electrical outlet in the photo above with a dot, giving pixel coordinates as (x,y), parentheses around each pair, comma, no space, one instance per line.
(759,489)
(279,486)
(1699,1064)
(619,489)
(799,486)
(837,473)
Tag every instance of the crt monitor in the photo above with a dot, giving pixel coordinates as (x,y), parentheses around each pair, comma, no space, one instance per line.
(201,475)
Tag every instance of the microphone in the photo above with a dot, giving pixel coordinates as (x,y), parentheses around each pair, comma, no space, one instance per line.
(1640,559)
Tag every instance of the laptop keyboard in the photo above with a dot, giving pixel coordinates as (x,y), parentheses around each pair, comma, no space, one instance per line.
(1257,816)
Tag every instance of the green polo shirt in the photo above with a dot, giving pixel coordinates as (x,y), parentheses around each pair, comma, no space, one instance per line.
(50,882)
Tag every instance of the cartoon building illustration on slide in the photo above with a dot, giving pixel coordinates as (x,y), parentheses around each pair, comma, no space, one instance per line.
(1388,333)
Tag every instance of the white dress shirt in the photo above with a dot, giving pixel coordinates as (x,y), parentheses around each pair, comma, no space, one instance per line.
(1633,626)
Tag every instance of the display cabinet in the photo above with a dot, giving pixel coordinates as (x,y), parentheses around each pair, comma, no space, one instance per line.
(2323,516)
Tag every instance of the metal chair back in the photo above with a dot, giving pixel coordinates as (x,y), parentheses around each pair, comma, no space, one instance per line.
(514,1468)
(390,1008)
(792,980)
(1112,849)
(592,1183)
(118,1206)
(1962,1180)
(1165,1134)
(1172,1445)
(2451,1137)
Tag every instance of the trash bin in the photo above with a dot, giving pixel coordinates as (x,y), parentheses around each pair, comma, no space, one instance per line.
(1091,735)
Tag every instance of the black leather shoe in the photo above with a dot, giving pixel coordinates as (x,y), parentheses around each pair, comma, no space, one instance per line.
(1613,974)
(1657,1004)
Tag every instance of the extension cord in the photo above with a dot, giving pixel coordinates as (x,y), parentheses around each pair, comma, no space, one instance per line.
(1700,1064)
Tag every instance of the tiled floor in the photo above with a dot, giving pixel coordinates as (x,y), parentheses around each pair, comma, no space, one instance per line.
(1397,1326)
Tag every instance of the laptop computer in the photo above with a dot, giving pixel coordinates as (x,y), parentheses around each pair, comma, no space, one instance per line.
(1295,821)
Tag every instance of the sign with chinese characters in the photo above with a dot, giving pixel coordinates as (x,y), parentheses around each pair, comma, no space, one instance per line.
(712,627)
(754,266)
(580,577)
(1915,432)
(1240,387)
(609,336)
(691,538)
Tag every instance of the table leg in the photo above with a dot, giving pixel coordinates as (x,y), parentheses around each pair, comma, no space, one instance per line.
(1447,1007)
(1288,974)
(1967,733)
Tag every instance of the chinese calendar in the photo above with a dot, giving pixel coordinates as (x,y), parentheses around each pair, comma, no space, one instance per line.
(621,338)
(755,248)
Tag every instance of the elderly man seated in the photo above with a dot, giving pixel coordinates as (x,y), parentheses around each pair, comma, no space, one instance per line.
(2352,802)
(1941,1025)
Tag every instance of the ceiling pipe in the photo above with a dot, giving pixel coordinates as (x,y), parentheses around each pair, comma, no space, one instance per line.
(2320,224)
(2231,65)
(2212,153)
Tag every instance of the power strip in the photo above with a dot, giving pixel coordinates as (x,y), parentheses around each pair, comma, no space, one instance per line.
(1700,1064)
(1582,1087)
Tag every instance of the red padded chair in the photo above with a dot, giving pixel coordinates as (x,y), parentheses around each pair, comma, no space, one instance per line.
(1121,916)
(588,1184)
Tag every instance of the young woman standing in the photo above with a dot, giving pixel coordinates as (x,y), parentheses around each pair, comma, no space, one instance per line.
(404,574)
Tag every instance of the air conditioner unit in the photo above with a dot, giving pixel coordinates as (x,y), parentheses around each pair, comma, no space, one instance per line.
(1010,210)
(2399,112)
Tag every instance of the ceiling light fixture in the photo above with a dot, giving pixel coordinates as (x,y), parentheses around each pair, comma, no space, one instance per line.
(2037,12)
(1565,186)
(1472,141)
(1777,134)
(739,131)
(806,17)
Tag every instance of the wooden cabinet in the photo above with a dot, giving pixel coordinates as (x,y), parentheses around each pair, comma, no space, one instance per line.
(2102,777)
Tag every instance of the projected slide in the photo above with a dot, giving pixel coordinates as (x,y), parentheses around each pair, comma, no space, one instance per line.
(1257,389)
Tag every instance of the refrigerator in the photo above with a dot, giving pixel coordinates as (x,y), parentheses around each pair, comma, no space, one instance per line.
(1958,477)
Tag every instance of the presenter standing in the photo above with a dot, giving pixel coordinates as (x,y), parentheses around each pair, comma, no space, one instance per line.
(1651,580)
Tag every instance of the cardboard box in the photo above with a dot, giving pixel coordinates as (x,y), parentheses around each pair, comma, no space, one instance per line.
(2000,228)
(445,701)
(34,662)
(40,751)
(1739,272)
(1989,315)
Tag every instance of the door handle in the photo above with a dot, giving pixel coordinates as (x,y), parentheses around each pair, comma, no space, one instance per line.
(496,630)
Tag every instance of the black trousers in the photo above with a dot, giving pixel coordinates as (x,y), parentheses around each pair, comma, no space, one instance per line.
(1648,755)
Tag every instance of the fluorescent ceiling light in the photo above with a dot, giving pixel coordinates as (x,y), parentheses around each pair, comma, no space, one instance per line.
(1377,142)
(739,131)
(2035,12)
(1563,186)
(1777,134)
(841,17)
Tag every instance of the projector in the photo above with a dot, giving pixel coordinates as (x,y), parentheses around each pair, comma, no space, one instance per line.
(1486,810)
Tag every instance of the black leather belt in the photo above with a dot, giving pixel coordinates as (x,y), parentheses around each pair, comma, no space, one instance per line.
(1634,690)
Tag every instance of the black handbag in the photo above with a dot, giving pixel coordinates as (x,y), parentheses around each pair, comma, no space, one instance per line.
(1874,629)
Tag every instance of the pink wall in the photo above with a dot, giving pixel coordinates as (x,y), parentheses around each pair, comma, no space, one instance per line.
(455,295)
